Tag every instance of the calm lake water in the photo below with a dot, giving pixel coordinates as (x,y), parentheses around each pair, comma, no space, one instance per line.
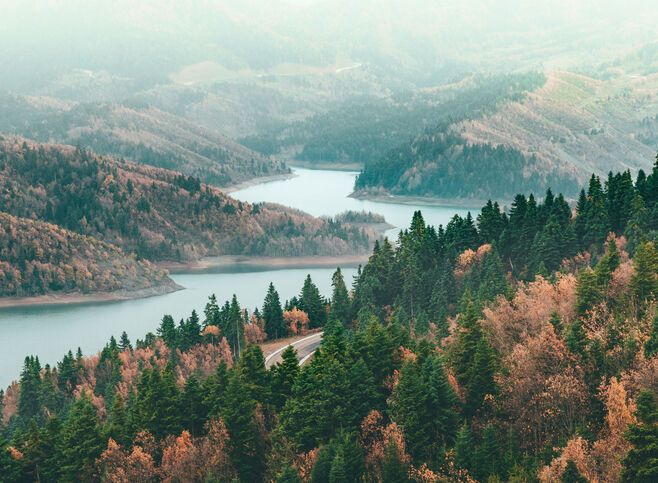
(50,331)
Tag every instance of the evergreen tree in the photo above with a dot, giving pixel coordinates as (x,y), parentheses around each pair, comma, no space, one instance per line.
(284,376)
(9,467)
(289,475)
(576,338)
(238,412)
(81,442)
(124,342)
(571,474)
(30,383)
(641,463)
(116,426)
(189,332)
(588,293)
(608,264)
(393,469)
(651,345)
(311,302)
(468,337)
(168,332)
(194,411)
(254,376)
(487,462)
(645,281)
(464,447)
(273,314)
(481,380)
(340,300)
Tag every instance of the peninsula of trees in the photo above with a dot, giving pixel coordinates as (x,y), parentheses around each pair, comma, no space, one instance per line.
(140,213)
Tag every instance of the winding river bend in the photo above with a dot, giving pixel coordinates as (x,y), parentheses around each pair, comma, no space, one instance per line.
(50,331)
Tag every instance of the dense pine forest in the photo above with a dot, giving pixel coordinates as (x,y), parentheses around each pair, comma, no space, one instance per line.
(519,345)
(141,213)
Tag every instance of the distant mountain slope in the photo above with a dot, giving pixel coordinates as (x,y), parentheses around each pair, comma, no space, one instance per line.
(159,214)
(363,130)
(555,136)
(139,133)
(576,124)
(38,258)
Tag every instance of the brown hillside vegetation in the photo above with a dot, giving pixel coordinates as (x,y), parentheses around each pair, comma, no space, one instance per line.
(38,258)
(159,214)
(138,133)
(576,125)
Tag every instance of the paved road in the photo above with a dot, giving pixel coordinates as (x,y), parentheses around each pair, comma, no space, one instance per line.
(305,348)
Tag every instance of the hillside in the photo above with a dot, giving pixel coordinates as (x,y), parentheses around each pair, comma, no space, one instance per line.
(578,124)
(156,213)
(555,136)
(40,258)
(461,354)
(138,133)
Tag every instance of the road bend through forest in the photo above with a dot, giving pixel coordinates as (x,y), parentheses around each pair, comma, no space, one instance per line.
(305,348)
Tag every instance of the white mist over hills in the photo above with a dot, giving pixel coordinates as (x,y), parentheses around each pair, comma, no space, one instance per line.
(421,41)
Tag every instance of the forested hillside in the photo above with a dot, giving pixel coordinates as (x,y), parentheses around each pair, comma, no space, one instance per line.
(362,131)
(155,213)
(514,346)
(139,133)
(38,258)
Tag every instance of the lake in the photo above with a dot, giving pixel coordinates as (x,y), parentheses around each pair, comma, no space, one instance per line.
(50,331)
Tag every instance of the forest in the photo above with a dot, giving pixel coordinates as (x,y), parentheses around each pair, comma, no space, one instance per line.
(137,132)
(363,131)
(517,345)
(443,164)
(150,213)
(38,258)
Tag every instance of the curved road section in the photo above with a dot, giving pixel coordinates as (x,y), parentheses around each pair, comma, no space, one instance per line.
(305,348)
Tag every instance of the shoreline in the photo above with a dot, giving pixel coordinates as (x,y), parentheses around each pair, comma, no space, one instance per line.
(82,298)
(467,203)
(256,181)
(325,165)
(236,263)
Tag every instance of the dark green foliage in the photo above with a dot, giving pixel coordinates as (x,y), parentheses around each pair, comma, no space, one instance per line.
(641,463)
(254,378)
(311,302)
(340,461)
(340,301)
(288,475)
(487,457)
(576,338)
(273,314)
(645,279)
(28,404)
(651,345)
(246,447)
(424,406)
(394,470)
(284,376)
(156,407)
(571,474)
(168,332)
(81,442)
(588,292)
(464,447)
(481,379)
(194,412)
